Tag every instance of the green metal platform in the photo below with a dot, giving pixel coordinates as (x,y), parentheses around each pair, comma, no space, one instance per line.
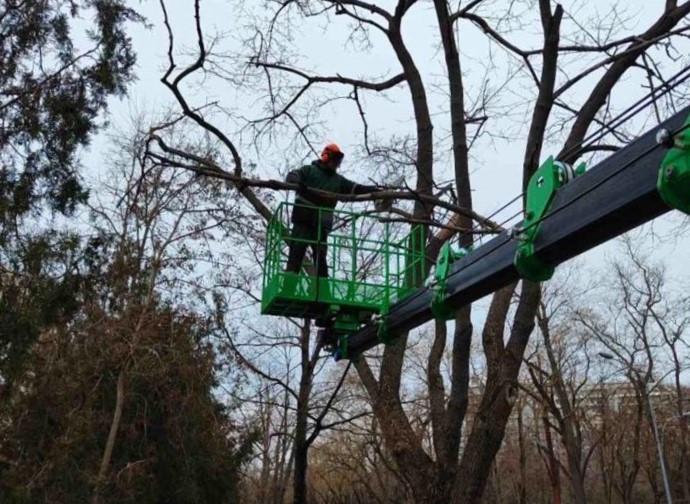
(371,264)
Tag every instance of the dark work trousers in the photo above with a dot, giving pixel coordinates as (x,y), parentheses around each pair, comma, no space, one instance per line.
(297,248)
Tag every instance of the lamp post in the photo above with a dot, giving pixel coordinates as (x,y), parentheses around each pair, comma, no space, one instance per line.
(655,428)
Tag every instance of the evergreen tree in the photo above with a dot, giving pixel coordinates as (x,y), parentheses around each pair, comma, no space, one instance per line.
(55,79)
(52,89)
(176,443)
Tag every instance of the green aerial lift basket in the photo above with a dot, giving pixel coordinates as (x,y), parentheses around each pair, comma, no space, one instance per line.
(371,264)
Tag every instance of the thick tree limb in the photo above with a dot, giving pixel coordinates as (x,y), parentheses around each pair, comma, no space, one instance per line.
(602,89)
(210,169)
(194,115)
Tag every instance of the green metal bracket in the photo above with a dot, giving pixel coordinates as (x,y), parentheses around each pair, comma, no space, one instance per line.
(541,189)
(673,183)
(383,331)
(341,352)
(345,324)
(439,282)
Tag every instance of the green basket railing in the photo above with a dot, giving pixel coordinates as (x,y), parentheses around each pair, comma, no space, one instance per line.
(371,264)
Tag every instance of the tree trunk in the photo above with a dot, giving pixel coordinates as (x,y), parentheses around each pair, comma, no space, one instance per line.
(301,451)
(300,469)
(112,435)
(500,393)
(570,433)
(576,478)
(522,493)
(684,469)
(447,422)
(553,467)
(413,462)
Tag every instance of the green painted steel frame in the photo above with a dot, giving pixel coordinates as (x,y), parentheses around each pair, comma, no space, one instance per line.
(366,274)
(673,183)
(439,282)
(542,187)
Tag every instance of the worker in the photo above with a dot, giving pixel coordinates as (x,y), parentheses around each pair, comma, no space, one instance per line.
(312,215)
(312,220)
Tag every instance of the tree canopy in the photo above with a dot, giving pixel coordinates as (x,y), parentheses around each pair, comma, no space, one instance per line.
(60,61)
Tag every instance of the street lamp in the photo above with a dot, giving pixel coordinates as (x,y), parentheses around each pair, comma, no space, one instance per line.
(655,428)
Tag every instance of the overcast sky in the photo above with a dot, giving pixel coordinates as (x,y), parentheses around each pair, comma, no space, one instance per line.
(495,164)
(322,48)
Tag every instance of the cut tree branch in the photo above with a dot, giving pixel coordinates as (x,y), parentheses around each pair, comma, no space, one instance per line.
(206,167)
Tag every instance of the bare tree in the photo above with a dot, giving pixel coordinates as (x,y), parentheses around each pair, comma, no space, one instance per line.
(307,398)
(150,222)
(560,369)
(641,332)
(444,473)
(134,359)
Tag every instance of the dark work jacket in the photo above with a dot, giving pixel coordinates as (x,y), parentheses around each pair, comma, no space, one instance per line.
(318,176)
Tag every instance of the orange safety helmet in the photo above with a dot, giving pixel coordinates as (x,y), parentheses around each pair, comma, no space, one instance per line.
(331,153)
